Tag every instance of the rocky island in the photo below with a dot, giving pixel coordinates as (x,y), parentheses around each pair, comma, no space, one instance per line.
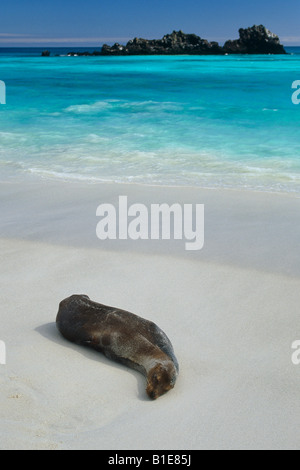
(255,40)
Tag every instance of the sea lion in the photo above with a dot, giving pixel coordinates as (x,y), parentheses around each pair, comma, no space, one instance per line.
(123,337)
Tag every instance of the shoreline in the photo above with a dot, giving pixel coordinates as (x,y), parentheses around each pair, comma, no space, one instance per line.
(33,178)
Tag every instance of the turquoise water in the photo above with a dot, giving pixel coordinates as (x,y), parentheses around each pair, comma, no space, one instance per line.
(179,120)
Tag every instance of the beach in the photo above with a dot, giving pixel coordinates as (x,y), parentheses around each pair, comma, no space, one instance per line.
(231,311)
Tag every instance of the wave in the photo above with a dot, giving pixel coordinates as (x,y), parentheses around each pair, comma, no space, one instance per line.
(178,121)
(135,106)
(176,167)
(88,108)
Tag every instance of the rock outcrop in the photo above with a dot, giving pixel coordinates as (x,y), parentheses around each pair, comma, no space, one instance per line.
(46,54)
(255,40)
(171,44)
(84,54)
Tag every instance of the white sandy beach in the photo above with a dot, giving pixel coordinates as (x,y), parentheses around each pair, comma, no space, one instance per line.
(230,310)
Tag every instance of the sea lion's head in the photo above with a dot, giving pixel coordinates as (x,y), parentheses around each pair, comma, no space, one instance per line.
(161,379)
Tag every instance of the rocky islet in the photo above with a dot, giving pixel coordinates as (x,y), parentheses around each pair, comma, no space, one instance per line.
(254,40)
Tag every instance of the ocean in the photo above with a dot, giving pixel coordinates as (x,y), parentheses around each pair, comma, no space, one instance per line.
(214,122)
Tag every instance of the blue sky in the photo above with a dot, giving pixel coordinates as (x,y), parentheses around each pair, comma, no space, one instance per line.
(93,22)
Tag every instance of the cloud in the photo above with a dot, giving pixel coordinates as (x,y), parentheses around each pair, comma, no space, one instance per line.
(290,39)
(11,38)
(13,35)
(27,39)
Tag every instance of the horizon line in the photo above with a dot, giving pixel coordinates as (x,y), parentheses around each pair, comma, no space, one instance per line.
(82,45)
(23,40)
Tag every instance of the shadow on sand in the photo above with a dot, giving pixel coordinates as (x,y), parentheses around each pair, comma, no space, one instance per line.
(50,332)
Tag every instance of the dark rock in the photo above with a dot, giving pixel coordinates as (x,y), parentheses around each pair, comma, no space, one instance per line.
(255,40)
(171,44)
(84,54)
(81,54)
(46,54)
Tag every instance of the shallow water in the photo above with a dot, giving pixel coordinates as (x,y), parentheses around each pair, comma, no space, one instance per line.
(184,120)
